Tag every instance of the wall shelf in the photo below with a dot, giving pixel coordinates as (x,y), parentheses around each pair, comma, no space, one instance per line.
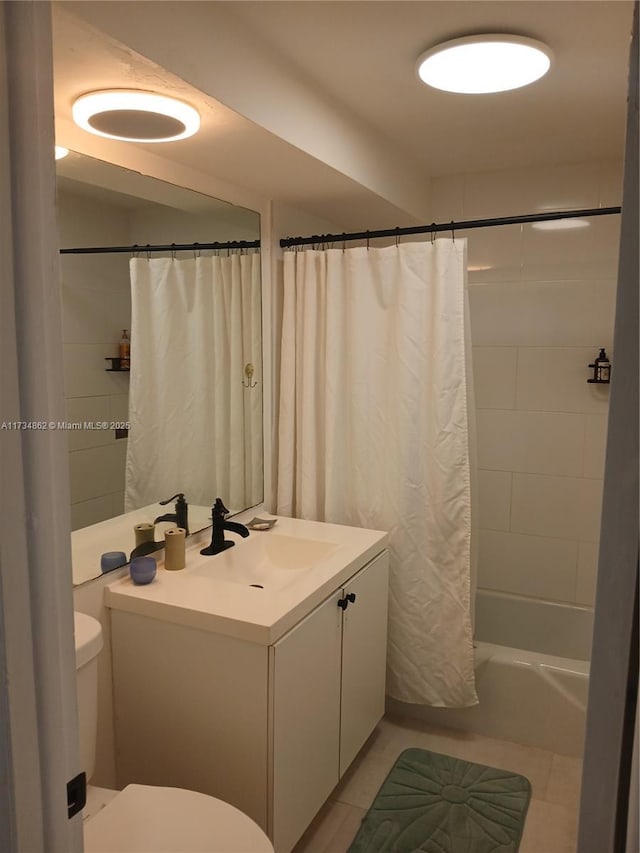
(115,365)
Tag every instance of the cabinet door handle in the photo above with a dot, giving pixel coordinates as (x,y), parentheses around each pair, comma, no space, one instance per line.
(351,596)
(344,602)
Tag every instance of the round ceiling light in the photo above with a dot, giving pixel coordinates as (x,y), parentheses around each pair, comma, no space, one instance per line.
(477,65)
(134,116)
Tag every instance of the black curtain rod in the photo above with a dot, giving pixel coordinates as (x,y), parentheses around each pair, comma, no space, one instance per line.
(172,247)
(447,226)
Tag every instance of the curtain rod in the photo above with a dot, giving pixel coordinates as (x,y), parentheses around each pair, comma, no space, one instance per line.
(448,226)
(171,247)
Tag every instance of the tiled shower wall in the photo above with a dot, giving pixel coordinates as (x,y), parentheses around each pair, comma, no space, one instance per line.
(96,306)
(542,304)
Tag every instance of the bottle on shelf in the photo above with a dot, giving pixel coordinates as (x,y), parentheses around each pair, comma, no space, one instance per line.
(124,350)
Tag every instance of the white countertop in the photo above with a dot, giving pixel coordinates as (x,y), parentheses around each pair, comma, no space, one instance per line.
(215,593)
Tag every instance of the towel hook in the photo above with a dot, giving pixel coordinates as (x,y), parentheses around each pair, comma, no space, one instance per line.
(249,370)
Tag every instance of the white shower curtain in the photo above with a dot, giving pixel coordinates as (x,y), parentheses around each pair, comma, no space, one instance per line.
(373,432)
(194,427)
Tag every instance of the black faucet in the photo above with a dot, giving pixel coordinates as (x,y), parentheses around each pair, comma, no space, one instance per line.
(218,542)
(180,516)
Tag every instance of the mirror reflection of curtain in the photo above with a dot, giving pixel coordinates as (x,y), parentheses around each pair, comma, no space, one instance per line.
(194,426)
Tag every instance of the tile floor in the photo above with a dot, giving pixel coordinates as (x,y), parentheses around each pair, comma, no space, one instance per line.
(555,780)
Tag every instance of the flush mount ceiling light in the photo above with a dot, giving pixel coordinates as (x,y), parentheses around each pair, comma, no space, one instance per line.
(61,152)
(134,116)
(481,64)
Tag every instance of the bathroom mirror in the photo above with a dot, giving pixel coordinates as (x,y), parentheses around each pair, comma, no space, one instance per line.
(102,205)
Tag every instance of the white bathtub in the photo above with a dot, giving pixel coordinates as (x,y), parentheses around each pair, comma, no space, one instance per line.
(532,674)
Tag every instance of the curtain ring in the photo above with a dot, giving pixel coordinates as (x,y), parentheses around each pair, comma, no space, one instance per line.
(368,238)
(148,247)
(433,233)
(173,251)
(397,236)
(135,250)
(453,233)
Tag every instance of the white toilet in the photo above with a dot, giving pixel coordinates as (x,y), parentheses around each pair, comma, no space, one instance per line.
(144,818)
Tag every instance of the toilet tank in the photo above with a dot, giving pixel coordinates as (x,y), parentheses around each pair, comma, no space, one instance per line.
(88,636)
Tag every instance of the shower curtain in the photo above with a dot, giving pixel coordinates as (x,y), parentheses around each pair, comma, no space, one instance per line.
(373,432)
(194,426)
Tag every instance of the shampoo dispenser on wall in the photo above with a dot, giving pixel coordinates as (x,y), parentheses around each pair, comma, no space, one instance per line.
(601,370)
(124,350)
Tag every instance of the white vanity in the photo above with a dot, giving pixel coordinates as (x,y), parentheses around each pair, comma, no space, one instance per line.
(255,675)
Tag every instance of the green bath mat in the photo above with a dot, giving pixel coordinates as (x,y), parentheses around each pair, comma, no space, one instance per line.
(438,804)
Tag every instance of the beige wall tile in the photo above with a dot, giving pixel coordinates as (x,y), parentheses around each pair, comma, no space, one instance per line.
(587,576)
(96,472)
(494,372)
(567,271)
(507,192)
(495,439)
(554,379)
(495,248)
(117,503)
(590,510)
(527,565)
(542,314)
(548,506)
(85,374)
(562,245)
(94,315)
(494,499)
(88,410)
(567,187)
(595,445)
(548,443)
(574,252)
(119,407)
(90,512)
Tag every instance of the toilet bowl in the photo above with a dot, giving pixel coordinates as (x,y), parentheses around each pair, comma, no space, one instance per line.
(145,818)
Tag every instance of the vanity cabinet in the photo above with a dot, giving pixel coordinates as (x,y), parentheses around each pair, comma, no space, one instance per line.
(269,728)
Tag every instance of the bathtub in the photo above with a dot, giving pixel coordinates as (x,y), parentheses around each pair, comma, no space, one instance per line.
(532,674)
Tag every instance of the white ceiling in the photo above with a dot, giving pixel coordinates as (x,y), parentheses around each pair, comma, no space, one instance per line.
(363,54)
(356,59)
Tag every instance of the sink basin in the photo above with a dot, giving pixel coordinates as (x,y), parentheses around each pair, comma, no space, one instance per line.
(266,560)
(259,589)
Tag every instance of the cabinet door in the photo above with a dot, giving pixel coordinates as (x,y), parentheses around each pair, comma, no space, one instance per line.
(305,694)
(364,657)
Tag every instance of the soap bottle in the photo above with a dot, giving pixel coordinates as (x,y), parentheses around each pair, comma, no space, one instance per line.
(124,351)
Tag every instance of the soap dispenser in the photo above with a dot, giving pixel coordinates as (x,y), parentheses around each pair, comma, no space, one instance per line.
(125,351)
